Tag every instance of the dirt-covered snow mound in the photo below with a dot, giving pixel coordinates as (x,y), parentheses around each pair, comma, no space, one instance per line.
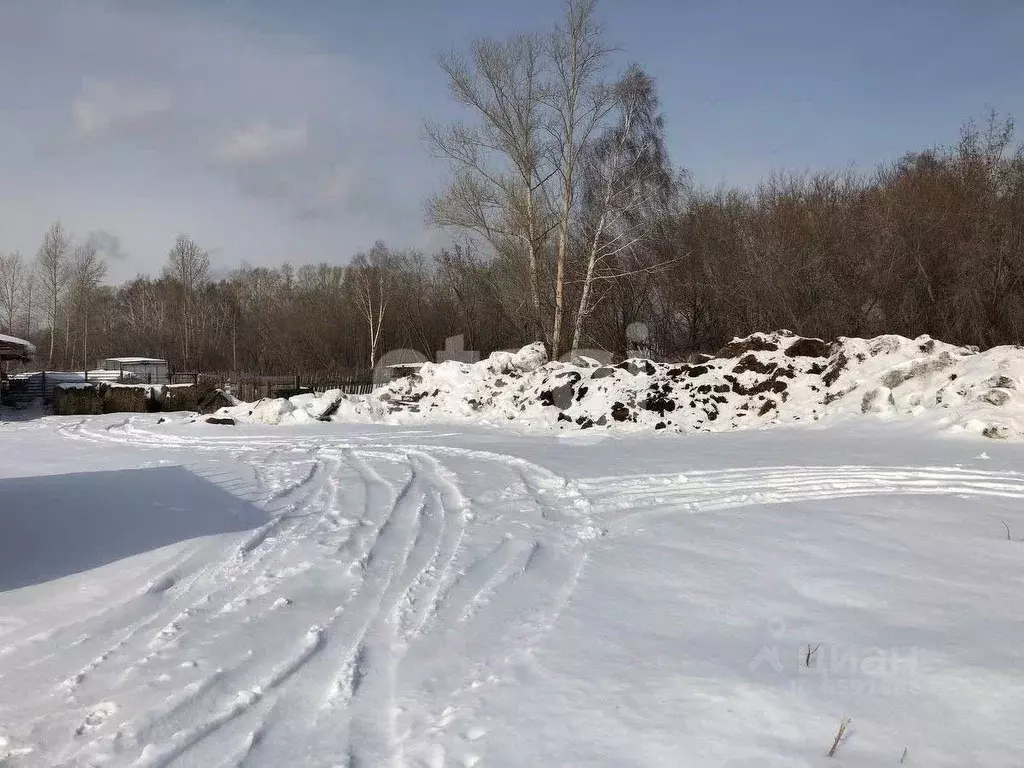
(763,379)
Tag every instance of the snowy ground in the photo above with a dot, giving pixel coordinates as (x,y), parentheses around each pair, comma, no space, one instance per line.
(326,595)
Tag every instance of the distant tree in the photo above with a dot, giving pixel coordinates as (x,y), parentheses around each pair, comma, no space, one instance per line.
(12,289)
(373,277)
(53,275)
(31,285)
(188,268)
(87,271)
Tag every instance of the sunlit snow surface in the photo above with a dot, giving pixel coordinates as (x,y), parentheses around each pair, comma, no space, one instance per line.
(184,594)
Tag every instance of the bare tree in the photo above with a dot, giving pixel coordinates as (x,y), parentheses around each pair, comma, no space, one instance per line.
(537,103)
(12,288)
(87,272)
(31,283)
(627,184)
(188,267)
(498,165)
(578,103)
(373,281)
(53,275)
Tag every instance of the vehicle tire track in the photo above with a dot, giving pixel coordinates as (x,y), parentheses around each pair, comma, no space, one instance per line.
(357,635)
(408,592)
(246,557)
(365,643)
(718,490)
(161,756)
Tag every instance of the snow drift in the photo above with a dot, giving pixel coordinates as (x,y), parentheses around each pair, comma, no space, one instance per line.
(756,381)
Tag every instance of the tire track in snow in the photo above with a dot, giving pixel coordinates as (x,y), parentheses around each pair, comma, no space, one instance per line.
(163,755)
(424,595)
(415,597)
(250,692)
(127,433)
(85,626)
(716,490)
(371,673)
(134,733)
(385,511)
(408,539)
(247,556)
(367,633)
(317,493)
(455,512)
(519,599)
(481,578)
(256,550)
(175,581)
(410,599)
(530,596)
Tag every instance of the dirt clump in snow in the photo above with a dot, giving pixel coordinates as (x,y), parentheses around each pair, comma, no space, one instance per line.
(808,348)
(756,342)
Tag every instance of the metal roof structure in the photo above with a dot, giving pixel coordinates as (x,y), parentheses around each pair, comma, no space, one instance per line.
(13,348)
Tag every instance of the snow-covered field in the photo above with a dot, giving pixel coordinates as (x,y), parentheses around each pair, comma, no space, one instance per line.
(195,595)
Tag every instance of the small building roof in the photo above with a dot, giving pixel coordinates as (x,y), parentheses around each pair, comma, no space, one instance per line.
(135,360)
(13,348)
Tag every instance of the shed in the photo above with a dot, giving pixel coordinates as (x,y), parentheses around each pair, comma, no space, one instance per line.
(12,348)
(147,370)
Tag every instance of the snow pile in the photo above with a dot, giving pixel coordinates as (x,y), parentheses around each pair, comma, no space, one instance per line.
(759,380)
(963,388)
(300,409)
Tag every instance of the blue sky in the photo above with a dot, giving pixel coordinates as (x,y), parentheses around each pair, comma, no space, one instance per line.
(273,130)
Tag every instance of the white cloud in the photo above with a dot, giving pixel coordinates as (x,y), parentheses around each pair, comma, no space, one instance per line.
(262,142)
(107,106)
(272,147)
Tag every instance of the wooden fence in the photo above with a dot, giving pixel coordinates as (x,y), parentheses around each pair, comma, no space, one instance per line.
(39,385)
(253,386)
(29,386)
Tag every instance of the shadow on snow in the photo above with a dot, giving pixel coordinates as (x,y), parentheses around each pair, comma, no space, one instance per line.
(57,525)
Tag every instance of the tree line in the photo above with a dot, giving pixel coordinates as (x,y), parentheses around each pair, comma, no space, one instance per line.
(569,223)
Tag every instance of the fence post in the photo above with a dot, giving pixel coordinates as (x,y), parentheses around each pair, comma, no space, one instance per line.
(297,381)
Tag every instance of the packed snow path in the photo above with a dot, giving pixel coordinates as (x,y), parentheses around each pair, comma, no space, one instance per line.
(390,582)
